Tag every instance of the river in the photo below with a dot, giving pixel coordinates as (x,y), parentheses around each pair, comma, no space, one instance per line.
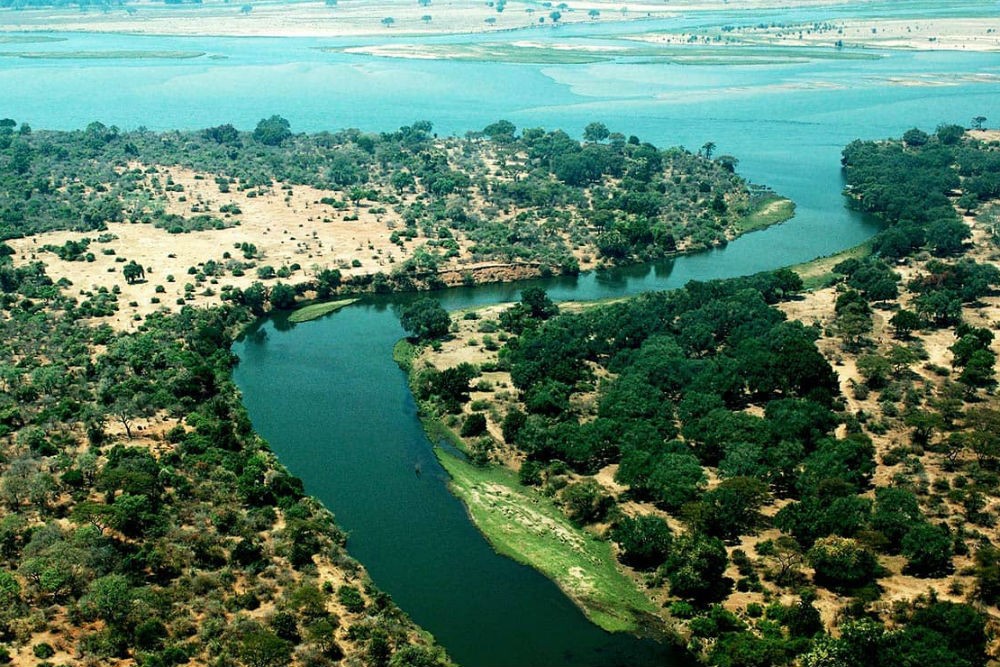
(327,395)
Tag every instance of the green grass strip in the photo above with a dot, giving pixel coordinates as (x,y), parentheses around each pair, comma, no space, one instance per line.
(524,525)
(317,310)
(770,211)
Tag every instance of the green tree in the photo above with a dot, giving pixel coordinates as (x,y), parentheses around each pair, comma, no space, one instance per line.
(596,132)
(904,322)
(928,550)
(644,541)
(425,319)
(586,501)
(695,568)
(133,272)
(272,131)
(842,563)
(263,648)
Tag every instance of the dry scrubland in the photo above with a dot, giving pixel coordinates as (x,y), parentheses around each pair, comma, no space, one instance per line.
(286,226)
(300,231)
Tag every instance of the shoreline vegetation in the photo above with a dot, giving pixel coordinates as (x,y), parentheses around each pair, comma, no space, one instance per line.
(546,402)
(271,218)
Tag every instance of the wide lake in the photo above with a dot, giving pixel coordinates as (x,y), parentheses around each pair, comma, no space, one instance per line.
(327,395)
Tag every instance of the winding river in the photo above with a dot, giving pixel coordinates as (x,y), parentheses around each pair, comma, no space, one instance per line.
(327,395)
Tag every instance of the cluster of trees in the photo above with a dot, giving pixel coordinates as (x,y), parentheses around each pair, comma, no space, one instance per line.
(142,516)
(910,184)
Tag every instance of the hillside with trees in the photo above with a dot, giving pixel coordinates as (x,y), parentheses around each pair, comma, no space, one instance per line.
(792,477)
(144,522)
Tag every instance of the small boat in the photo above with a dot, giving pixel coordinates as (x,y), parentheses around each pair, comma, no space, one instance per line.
(416,469)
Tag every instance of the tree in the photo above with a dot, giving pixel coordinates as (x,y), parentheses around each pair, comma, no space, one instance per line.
(272,131)
(593,14)
(842,563)
(928,550)
(502,131)
(947,237)
(586,501)
(596,132)
(904,322)
(977,122)
(555,16)
(644,541)
(426,18)
(896,512)
(388,21)
(263,648)
(133,272)
(874,368)
(425,319)
(915,137)
(730,509)
(786,554)
(695,568)
(282,296)
(707,149)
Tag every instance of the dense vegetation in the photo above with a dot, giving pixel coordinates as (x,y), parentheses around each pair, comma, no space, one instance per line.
(538,198)
(745,493)
(142,517)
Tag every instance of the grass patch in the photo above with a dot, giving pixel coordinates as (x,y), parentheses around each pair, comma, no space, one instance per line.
(818,272)
(403,353)
(317,310)
(770,211)
(524,525)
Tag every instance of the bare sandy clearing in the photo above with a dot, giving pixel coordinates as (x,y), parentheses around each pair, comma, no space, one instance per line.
(286,226)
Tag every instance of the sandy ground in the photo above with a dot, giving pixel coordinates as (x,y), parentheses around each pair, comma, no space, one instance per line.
(969,34)
(286,226)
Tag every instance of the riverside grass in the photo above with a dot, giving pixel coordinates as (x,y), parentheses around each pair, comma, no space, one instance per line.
(818,272)
(524,525)
(316,310)
(771,211)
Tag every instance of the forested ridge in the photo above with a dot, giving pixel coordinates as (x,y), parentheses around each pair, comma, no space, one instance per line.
(814,492)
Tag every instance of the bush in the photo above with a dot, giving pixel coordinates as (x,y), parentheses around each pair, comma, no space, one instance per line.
(475,424)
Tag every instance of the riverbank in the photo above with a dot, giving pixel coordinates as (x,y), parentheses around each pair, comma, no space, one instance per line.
(528,527)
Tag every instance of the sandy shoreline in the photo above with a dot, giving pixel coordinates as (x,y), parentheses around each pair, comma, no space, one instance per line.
(939,34)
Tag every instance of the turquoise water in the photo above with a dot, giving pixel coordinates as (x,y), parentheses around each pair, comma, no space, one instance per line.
(327,395)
